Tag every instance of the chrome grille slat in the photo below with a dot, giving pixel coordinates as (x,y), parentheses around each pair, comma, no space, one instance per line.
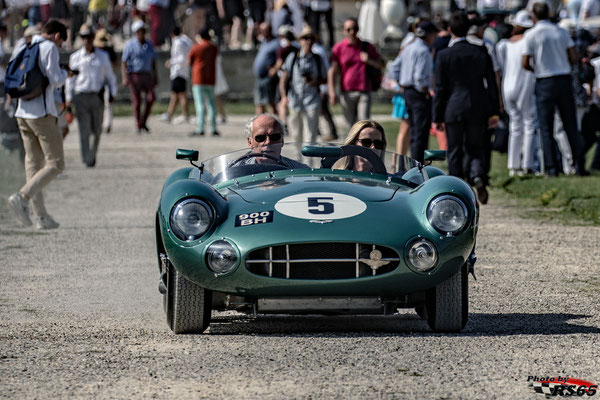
(310,261)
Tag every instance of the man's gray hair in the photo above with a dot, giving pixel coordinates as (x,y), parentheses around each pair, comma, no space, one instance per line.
(248,127)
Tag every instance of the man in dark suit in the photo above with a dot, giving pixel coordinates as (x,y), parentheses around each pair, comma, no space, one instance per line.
(465,103)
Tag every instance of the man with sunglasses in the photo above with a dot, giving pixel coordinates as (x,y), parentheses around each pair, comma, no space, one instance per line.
(350,58)
(86,91)
(264,133)
(304,71)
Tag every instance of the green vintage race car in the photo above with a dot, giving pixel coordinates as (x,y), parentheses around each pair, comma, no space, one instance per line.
(295,231)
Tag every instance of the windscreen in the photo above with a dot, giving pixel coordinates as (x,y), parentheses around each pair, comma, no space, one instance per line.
(290,156)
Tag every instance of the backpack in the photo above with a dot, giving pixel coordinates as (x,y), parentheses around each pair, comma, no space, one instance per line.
(24,78)
(374,75)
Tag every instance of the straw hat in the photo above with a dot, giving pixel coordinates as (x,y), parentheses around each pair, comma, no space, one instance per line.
(307,32)
(102,39)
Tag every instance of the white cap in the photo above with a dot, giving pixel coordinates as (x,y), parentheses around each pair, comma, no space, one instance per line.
(137,25)
(522,19)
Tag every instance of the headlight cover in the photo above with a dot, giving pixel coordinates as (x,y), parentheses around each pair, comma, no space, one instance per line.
(422,255)
(221,257)
(447,214)
(190,219)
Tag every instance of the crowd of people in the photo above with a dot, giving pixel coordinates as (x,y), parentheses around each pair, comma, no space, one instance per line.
(456,79)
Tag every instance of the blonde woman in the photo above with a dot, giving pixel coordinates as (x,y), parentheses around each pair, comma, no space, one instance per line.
(365,133)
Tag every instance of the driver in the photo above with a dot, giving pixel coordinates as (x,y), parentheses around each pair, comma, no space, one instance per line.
(365,133)
(265,133)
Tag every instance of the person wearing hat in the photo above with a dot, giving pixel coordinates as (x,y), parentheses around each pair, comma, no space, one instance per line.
(85,91)
(103,41)
(287,45)
(203,62)
(465,102)
(519,100)
(304,71)
(138,71)
(415,79)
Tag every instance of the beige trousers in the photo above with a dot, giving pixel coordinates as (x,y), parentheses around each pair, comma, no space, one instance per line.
(44,157)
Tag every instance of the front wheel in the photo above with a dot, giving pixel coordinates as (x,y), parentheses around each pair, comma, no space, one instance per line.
(188,306)
(447,304)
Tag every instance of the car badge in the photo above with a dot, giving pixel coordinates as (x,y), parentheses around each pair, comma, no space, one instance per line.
(321,221)
(374,260)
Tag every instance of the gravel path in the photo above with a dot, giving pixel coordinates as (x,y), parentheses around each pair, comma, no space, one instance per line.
(82,317)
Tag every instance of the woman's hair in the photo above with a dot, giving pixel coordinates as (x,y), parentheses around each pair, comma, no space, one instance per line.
(357,128)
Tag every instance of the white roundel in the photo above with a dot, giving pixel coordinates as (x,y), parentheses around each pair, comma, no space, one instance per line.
(320,206)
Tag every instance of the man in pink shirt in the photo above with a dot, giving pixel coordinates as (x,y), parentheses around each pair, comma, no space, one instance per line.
(350,58)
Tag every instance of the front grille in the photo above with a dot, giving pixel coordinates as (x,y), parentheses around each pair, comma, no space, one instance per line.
(322,261)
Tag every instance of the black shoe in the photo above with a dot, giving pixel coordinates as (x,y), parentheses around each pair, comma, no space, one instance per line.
(215,133)
(91,164)
(145,128)
(582,172)
(197,133)
(482,193)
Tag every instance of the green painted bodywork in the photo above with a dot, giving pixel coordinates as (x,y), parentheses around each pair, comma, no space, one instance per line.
(395,216)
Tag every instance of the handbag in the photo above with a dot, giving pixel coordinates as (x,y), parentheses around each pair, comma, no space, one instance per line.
(374,75)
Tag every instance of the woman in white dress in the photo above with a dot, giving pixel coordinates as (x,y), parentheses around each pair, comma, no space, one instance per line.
(518,87)
(370,24)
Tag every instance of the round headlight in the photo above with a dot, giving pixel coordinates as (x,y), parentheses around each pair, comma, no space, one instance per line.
(190,219)
(447,214)
(422,255)
(221,256)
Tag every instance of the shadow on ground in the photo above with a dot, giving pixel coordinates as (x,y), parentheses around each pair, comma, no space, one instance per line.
(406,324)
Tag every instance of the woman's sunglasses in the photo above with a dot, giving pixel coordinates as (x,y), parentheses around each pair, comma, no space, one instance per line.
(378,144)
(274,137)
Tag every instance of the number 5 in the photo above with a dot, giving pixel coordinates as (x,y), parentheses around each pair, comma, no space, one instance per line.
(317,205)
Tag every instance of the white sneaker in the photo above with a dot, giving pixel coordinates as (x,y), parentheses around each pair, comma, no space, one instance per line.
(179,120)
(20,207)
(512,172)
(45,222)
(165,117)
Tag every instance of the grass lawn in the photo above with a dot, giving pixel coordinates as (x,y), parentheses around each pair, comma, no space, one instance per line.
(567,199)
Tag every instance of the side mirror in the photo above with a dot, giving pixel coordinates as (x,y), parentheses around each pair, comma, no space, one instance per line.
(184,154)
(435,155)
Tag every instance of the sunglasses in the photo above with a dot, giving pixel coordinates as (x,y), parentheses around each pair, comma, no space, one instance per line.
(351,29)
(378,144)
(308,38)
(273,138)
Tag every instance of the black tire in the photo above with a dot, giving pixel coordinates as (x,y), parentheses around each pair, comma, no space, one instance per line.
(188,306)
(421,311)
(447,305)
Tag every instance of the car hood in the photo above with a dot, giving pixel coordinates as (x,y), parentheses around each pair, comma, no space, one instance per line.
(270,191)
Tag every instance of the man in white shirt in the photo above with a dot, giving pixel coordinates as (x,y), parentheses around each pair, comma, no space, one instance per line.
(181,45)
(553,51)
(85,90)
(43,142)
